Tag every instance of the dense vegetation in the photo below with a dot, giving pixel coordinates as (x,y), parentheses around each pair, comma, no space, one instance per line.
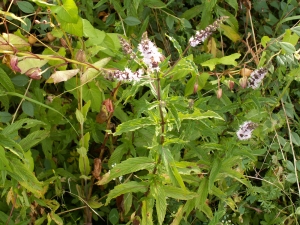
(149,112)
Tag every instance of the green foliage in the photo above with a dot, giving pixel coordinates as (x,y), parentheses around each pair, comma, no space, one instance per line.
(93,129)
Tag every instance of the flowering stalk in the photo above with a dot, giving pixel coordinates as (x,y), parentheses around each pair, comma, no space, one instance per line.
(245,130)
(256,77)
(151,56)
(202,35)
(126,75)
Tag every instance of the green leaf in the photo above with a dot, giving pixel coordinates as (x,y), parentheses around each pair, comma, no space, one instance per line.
(230,33)
(79,116)
(197,115)
(226,60)
(133,125)
(291,178)
(56,218)
(147,211)
(178,193)
(88,29)
(176,44)
(216,166)
(289,165)
(92,92)
(12,15)
(160,199)
(5,117)
(68,12)
(265,40)
(287,48)
(27,25)
(170,22)
(91,72)
(74,28)
(117,154)
(295,138)
(189,88)
(129,187)
(26,7)
(233,4)
(11,145)
(203,193)
(156,4)
(132,21)
(84,165)
(28,108)
(6,81)
(86,108)
(174,113)
(192,12)
(130,165)
(170,166)
(33,139)
(22,123)
(113,216)
(28,63)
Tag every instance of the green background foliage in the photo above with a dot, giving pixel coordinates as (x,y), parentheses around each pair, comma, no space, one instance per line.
(78,147)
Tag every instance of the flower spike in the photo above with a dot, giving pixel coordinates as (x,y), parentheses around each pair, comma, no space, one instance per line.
(202,35)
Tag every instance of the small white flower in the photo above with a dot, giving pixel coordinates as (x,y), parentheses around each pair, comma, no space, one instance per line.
(127,75)
(256,77)
(245,130)
(151,56)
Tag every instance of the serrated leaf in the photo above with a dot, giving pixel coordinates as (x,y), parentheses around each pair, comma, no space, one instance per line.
(60,76)
(147,211)
(197,115)
(160,201)
(178,193)
(216,166)
(22,123)
(176,44)
(133,125)
(265,40)
(130,165)
(11,145)
(287,48)
(124,188)
(132,21)
(33,139)
(226,60)
(170,167)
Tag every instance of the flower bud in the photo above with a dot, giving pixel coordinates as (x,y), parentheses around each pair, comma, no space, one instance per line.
(32,39)
(219,93)
(80,56)
(50,37)
(14,63)
(231,85)
(243,82)
(195,88)
(34,73)
(245,72)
